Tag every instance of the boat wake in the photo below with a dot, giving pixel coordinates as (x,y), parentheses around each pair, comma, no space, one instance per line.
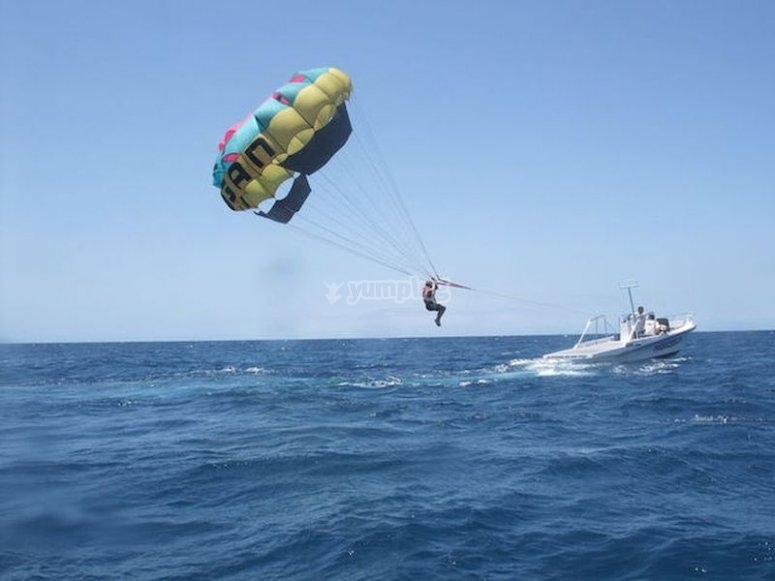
(536,367)
(515,370)
(543,367)
(550,367)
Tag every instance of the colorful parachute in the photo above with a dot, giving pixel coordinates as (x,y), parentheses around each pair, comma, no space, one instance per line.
(264,162)
(293,133)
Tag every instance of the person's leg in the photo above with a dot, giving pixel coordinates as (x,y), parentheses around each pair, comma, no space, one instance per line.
(442,308)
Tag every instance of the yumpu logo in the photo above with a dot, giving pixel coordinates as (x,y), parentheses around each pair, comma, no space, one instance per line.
(333,292)
(397,291)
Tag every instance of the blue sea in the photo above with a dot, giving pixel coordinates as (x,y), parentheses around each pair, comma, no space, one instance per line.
(444,458)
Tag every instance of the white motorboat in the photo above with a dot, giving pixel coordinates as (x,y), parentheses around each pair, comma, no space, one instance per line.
(641,336)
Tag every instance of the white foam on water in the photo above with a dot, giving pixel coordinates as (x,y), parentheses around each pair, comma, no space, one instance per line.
(388,381)
(553,367)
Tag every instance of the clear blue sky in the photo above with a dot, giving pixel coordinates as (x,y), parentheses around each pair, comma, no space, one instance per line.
(546,150)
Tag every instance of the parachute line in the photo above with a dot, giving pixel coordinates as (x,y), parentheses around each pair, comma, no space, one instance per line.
(381,168)
(352,249)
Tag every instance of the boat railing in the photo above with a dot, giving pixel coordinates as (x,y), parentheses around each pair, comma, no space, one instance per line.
(680,320)
(596,329)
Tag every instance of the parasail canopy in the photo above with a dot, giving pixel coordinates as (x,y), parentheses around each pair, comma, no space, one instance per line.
(293,133)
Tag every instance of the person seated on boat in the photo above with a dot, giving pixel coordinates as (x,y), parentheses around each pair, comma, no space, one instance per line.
(651,327)
(640,323)
(429,298)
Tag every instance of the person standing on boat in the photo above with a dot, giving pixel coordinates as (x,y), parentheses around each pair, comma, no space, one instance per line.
(640,323)
(429,298)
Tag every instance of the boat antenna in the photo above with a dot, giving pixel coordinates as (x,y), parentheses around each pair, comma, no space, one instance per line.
(629,285)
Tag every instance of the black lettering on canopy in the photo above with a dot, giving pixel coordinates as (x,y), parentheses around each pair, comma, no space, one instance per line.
(238,175)
(228,196)
(259,152)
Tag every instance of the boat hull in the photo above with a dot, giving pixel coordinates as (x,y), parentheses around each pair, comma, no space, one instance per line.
(615,350)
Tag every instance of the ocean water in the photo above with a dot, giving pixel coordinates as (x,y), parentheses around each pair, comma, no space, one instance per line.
(460,458)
